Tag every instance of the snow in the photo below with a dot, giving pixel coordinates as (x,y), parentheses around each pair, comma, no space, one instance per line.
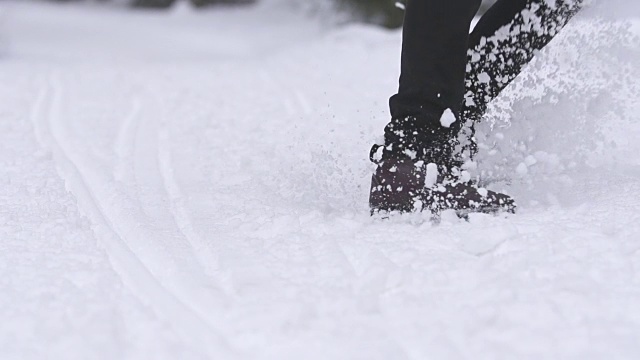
(194,185)
(432,175)
(522,169)
(484,78)
(447,118)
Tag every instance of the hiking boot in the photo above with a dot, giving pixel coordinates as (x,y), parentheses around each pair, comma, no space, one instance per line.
(465,197)
(417,171)
(397,186)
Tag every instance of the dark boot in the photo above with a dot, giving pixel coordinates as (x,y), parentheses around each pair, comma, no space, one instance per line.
(417,171)
(397,186)
(453,192)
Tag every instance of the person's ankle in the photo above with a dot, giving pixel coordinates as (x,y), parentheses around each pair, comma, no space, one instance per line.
(418,138)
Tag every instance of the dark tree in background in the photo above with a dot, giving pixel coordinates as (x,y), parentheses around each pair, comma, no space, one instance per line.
(197,3)
(152,3)
(387,13)
(381,12)
(214,2)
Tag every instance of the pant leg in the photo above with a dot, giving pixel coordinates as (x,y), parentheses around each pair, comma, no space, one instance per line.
(434,57)
(504,41)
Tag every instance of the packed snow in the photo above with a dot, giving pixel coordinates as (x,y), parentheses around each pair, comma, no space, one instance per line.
(193,185)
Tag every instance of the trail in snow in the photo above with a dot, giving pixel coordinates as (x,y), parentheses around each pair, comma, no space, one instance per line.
(58,289)
(227,187)
(134,272)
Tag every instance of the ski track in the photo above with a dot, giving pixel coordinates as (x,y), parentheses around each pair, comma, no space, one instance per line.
(152,173)
(195,329)
(125,140)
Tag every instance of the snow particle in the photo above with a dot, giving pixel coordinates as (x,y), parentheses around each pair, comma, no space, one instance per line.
(522,169)
(411,154)
(484,78)
(432,175)
(447,118)
(465,176)
(530,160)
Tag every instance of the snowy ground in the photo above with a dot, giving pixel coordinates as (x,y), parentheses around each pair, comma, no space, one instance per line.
(194,186)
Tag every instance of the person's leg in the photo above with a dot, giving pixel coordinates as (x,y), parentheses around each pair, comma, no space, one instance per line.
(433,79)
(416,168)
(506,39)
(434,57)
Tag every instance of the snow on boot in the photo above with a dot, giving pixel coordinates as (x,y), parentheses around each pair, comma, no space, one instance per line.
(416,171)
(397,186)
(452,191)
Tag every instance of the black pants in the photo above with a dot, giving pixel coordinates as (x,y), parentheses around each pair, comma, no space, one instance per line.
(445,67)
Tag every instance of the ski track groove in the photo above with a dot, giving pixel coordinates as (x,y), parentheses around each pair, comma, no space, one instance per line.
(124,141)
(192,283)
(171,239)
(196,331)
(175,196)
(207,253)
(176,202)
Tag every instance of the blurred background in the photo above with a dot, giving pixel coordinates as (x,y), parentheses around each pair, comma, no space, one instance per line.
(387,13)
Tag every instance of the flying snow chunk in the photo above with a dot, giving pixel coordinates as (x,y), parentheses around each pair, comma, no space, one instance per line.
(447,118)
(465,176)
(530,160)
(522,169)
(484,78)
(432,175)
(411,154)
(400,5)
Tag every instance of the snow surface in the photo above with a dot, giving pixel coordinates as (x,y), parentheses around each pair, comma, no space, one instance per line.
(194,186)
